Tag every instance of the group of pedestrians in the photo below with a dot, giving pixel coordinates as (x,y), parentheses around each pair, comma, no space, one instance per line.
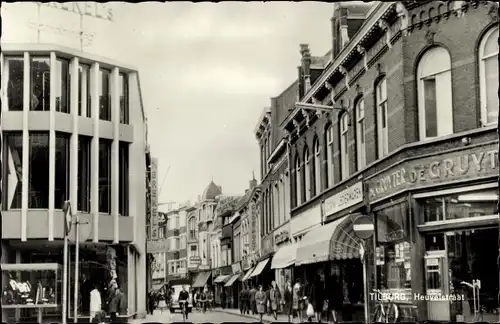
(203,299)
(308,301)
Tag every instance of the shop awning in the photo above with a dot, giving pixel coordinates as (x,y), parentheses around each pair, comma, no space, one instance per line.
(333,241)
(284,257)
(247,275)
(201,279)
(258,269)
(222,279)
(232,280)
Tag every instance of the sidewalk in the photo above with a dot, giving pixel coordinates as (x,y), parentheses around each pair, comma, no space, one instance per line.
(265,319)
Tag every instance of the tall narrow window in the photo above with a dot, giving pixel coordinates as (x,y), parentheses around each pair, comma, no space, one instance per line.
(344,146)
(298,183)
(40,84)
(317,168)
(38,195)
(124,179)
(84,108)
(104,97)
(265,157)
(360,134)
(124,107)
(104,176)
(383,135)
(488,76)
(307,174)
(62,170)
(84,178)
(329,157)
(435,108)
(276,202)
(62,90)
(14,72)
(12,170)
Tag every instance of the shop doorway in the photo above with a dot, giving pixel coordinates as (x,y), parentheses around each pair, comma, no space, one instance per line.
(471,254)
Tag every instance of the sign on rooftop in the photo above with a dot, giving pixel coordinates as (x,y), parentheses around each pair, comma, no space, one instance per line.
(84,8)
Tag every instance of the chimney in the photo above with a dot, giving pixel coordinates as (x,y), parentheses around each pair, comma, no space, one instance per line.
(306,65)
(346,21)
(253,184)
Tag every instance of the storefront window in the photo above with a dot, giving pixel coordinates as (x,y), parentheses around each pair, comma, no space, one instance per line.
(84,173)
(38,193)
(12,163)
(40,84)
(461,206)
(104,176)
(62,90)
(14,71)
(124,181)
(124,107)
(392,253)
(84,108)
(62,170)
(104,97)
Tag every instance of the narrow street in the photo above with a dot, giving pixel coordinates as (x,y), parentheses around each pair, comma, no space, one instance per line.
(214,316)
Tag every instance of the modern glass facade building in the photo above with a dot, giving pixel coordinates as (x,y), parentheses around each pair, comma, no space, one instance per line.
(73,128)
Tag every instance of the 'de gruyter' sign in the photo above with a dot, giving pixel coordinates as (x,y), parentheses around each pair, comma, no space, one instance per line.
(472,163)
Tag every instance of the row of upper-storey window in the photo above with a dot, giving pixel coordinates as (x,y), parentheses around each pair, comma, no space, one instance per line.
(38,172)
(435,115)
(276,205)
(265,153)
(206,213)
(40,83)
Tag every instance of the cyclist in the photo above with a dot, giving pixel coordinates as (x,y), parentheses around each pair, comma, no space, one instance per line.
(183,302)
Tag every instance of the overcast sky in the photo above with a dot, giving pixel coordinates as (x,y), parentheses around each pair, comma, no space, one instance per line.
(207,71)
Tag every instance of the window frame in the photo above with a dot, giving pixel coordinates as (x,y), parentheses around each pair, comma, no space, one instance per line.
(12,89)
(84,97)
(124,99)
(330,176)
(105,110)
(344,146)
(298,183)
(360,134)
(482,75)
(43,195)
(32,85)
(317,167)
(307,174)
(382,118)
(64,92)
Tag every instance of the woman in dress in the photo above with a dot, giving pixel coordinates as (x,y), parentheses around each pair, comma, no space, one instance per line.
(298,300)
(274,299)
(316,298)
(260,300)
(288,301)
(335,295)
(162,304)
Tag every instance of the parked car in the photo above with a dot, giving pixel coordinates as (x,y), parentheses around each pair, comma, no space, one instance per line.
(174,299)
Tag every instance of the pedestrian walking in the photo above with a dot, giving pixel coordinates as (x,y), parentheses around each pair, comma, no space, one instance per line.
(335,295)
(316,297)
(223,298)
(268,304)
(288,301)
(274,299)
(162,304)
(260,300)
(243,296)
(95,303)
(298,300)
(252,293)
(210,299)
(151,302)
(114,305)
(203,301)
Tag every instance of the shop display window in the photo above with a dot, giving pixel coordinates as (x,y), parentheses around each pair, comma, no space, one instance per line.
(32,285)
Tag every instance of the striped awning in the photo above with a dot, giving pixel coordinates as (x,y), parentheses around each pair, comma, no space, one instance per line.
(259,268)
(232,280)
(222,279)
(201,279)
(247,275)
(333,241)
(284,257)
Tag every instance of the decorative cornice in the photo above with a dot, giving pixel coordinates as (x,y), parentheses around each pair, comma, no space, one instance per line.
(361,50)
(343,70)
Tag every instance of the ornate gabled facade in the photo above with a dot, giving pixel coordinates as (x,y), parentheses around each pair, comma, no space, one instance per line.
(206,212)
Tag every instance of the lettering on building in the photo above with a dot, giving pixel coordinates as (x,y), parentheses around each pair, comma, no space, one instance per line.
(84,8)
(344,199)
(452,167)
(154,199)
(281,236)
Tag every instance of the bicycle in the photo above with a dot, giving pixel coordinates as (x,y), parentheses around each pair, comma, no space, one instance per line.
(184,309)
(386,311)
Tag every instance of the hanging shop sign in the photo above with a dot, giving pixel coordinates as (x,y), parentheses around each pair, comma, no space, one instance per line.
(267,245)
(346,198)
(154,199)
(469,164)
(236,267)
(282,236)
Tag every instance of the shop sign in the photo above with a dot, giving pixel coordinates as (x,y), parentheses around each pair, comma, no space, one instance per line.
(157,246)
(195,260)
(281,236)
(346,198)
(267,245)
(154,199)
(84,8)
(236,267)
(395,235)
(472,163)
(253,228)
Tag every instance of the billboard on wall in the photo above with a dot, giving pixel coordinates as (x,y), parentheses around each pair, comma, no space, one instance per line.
(154,199)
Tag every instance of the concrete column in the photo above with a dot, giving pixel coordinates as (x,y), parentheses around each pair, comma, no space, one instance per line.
(26,144)
(73,152)
(140,294)
(5,83)
(115,153)
(52,143)
(85,76)
(136,173)
(94,148)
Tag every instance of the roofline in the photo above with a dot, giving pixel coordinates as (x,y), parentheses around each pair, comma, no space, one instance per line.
(282,144)
(265,111)
(288,88)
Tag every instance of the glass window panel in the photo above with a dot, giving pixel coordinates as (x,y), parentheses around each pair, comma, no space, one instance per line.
(124,179)
(124,104)
(62,91)
(12,168)
(430,107)
(84,101)
(62,170)
(38,192)
(40,84)
(84,179)
(104,176)
(491,45)
(491,70)
(14,67)
(104,95)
